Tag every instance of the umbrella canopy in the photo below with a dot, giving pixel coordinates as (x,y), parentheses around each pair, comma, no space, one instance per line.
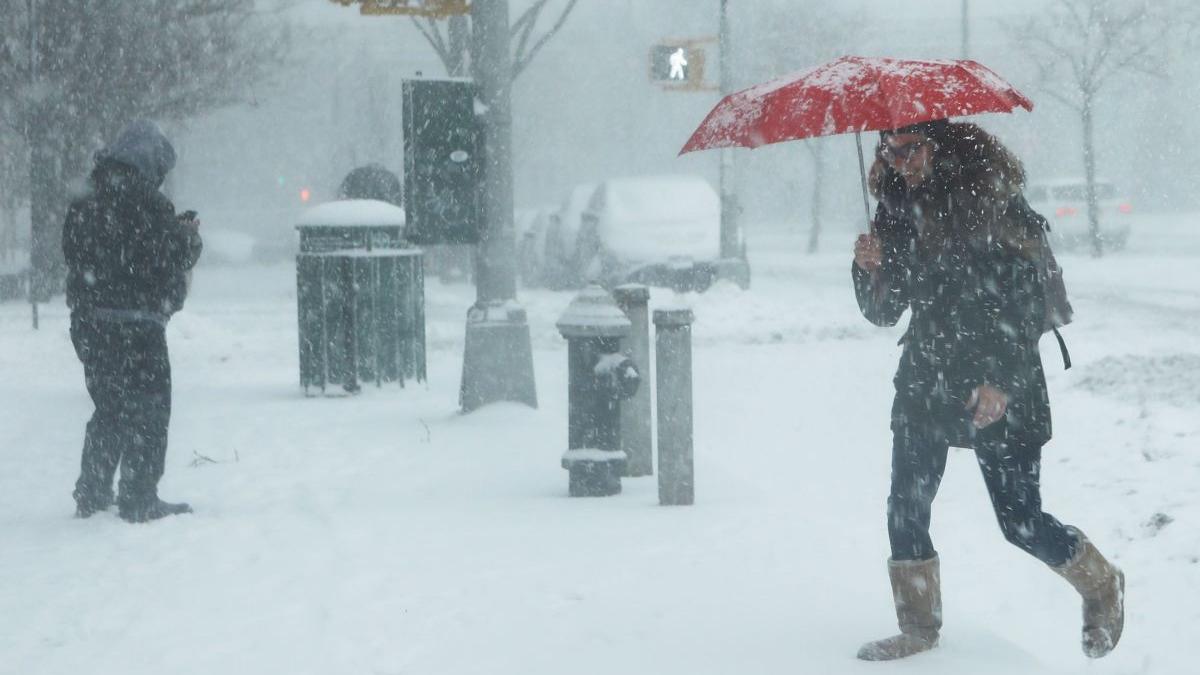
(854,94)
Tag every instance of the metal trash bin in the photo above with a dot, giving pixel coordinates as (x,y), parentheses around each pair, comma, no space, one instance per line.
(360,298)
(330,238)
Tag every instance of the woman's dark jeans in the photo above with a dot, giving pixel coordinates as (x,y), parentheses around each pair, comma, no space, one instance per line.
(1010,471)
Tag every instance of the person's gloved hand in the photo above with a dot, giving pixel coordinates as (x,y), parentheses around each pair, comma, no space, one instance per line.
(989,404)
(868,252)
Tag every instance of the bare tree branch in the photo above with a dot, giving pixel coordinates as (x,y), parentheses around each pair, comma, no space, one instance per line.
(433,35)
(1147,55)
(1116,33)
(1047,54)
(520,35)
(529,16)
(524,27)
(1099,41)
(519,66)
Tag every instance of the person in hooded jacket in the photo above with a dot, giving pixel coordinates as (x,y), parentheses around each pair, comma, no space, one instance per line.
(946,246)
(129,257)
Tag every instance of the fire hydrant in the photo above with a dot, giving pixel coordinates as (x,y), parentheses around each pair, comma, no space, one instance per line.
(599,378)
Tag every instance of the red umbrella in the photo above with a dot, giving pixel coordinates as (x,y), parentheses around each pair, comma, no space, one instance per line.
(854,94)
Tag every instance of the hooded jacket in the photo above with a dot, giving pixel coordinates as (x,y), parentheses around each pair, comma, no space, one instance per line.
(125,249)
(959,259)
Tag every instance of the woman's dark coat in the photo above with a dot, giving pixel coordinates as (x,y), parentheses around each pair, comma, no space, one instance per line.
(963,262)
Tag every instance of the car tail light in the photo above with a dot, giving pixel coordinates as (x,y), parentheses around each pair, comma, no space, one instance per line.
(1125,208)
(1066,211)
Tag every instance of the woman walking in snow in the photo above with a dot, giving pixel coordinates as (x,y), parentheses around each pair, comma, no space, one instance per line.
(946,244)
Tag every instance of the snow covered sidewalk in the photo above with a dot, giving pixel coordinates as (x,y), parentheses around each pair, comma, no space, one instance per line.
(385,533)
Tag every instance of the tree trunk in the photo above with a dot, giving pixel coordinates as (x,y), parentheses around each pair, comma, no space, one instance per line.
(47,273)
(1089,172)
(814,232)
(458,35)
(496,273)
(497,355)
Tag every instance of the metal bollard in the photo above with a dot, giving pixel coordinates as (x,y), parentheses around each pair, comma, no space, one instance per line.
(636,434)
(599,377)
(673,350)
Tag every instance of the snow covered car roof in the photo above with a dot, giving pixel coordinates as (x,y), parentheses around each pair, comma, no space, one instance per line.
(656,218)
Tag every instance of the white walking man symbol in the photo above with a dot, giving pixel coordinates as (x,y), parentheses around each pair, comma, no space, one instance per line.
(678,62)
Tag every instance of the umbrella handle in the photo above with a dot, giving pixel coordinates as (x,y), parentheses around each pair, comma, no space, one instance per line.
(862,170)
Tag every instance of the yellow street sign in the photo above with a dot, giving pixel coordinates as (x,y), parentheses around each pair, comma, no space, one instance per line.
(434,9)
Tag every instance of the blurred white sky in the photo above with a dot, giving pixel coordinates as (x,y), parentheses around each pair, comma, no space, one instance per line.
(585,109)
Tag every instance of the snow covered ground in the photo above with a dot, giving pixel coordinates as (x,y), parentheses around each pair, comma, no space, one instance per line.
(387,534)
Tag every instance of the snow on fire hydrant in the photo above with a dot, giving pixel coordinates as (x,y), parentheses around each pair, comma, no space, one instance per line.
(599,378)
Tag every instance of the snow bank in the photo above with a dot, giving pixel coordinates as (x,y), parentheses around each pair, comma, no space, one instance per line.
(383,532)
(226,247)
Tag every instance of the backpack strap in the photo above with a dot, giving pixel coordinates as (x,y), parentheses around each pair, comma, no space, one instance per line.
(1062,347)
(1051,273)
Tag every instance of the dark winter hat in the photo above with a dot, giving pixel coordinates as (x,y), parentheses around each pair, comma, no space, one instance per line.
(143,146)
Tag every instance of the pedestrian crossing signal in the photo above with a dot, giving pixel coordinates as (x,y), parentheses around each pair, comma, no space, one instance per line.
(677,65)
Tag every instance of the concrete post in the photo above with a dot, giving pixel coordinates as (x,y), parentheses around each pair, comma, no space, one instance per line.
(673,352)
(599,376)
(637,436)
(733,264)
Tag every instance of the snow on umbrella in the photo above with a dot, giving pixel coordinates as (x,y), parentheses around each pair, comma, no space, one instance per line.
(854,94)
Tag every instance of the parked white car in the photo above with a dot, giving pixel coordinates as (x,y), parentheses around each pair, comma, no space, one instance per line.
(1064,203)
(532,226)
(658,230)
(557,243)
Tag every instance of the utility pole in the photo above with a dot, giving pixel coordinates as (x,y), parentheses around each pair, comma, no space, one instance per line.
(498,358)
(36,280)
(730,244)
(733,263)
(966,28)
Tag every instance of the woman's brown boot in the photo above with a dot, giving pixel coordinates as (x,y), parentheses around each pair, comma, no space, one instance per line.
(1102,586)
(917,589)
